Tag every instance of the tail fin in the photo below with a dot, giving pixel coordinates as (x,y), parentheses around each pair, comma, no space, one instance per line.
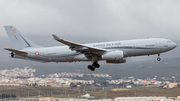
(18,40)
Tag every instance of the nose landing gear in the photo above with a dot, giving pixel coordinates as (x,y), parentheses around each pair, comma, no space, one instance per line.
(159,59)
(93,66)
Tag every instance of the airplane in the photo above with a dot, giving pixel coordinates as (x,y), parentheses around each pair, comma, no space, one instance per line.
(111,52)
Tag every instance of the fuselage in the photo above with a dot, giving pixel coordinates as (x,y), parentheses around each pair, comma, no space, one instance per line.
(130,48)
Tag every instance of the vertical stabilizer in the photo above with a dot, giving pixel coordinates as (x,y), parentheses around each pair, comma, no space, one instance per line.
(18,40)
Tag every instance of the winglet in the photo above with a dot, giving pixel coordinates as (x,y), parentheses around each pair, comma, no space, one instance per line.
(56,38)
(63,41)
(69,43)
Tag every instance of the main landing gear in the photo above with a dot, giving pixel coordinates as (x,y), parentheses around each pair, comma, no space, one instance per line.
(159,59)
(93,66)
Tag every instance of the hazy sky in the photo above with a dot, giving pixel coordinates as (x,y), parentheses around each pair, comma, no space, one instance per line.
(108,19)
(89,20)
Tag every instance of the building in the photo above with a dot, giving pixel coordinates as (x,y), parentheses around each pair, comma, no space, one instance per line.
(141,99)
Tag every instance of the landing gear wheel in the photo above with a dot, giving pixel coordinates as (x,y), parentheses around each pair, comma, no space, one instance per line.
(89,67)
(93,66)
(159,59)
(96,65)
(92,69)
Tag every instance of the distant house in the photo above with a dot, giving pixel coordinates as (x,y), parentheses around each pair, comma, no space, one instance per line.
(128,86)
(172,85)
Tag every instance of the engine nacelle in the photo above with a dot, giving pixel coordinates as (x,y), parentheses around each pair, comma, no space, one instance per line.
(116,61)
(113,56)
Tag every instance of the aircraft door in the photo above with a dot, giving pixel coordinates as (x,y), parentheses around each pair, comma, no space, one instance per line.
(43,52)
(134,45)
(159,44)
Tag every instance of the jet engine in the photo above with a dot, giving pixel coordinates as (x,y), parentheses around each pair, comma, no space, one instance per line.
(113,56)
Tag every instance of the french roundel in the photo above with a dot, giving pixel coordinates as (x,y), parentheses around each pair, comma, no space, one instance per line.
(14,31)
(37,53)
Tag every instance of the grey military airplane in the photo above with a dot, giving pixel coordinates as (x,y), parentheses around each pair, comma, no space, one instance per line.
(111,52)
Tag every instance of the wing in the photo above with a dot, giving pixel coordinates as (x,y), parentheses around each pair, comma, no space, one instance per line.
(81,47)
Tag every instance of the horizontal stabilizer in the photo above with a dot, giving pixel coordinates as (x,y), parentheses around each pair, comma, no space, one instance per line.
(16,51)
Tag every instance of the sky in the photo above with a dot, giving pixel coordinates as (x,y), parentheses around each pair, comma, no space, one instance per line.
(86,21)
(108,19)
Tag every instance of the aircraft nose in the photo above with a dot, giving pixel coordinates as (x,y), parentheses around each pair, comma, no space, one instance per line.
(174,45)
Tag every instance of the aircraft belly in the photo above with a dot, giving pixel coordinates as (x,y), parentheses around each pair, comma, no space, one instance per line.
(60,58)
(138,52)
(38,58)
(81,57)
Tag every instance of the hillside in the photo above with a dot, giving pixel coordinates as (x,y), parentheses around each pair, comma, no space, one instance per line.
(166,67)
